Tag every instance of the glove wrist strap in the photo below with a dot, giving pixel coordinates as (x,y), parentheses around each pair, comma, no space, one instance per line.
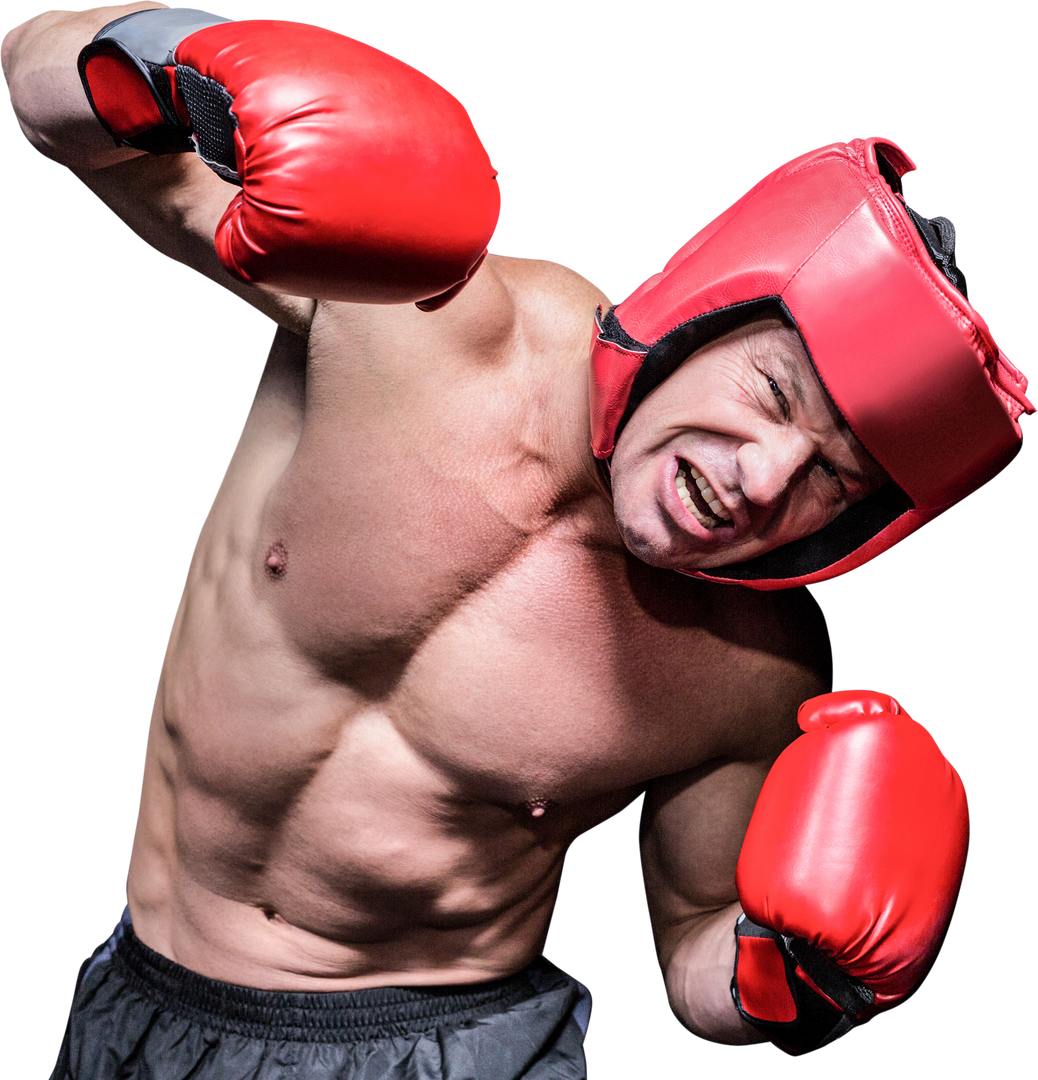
(791,992)
(127,72)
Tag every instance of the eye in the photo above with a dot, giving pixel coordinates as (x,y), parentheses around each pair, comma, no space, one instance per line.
(777,391)
(828,469)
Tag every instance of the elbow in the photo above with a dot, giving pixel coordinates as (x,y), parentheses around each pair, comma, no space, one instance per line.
(698,977)
(40,65)
(16,58)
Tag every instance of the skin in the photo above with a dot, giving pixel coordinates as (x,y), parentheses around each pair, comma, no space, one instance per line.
(384,714)
(748,413)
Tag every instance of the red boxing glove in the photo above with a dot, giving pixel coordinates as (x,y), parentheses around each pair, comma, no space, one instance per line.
(849,871)
(362,180)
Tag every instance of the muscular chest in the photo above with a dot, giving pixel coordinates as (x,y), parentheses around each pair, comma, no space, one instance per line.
(428,577)
(406,494)
(575,673)
(519,664)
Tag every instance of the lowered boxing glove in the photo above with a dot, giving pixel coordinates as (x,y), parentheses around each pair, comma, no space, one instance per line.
(849,871)
(361,179)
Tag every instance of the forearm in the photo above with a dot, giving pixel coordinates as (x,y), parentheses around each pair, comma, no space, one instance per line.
(173,201)
(40,65)
(697,969)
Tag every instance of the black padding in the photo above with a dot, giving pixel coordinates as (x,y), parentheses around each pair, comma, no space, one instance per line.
(214,124)
(938,235)
(854,527)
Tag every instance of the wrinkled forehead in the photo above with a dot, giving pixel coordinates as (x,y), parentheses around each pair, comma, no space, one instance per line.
(774,345)
(682,343)
(777,343)
(764,334)
(769,339)
(772,340)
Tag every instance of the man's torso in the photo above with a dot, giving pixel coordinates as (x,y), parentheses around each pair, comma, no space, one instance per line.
(412,662)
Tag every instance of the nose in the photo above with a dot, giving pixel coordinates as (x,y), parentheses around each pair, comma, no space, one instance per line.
(768,467)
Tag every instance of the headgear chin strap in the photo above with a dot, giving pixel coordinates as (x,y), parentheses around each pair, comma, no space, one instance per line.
(881,307)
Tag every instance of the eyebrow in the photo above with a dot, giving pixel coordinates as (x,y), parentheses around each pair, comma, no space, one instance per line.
(792,370)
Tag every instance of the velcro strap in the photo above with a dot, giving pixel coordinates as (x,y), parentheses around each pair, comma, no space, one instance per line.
(792,992)
(126,73)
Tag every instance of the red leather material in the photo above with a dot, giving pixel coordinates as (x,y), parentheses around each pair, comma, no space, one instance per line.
(761,977)
(861,329)
(362,180)
(905,357)
(121,96)
(858,843)
(613,369)
(818,713)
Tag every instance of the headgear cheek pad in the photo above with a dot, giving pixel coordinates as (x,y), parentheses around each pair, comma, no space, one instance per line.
(828,241)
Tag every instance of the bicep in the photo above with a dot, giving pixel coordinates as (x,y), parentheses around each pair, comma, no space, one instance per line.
(692,829)
(693,824)
(174,203)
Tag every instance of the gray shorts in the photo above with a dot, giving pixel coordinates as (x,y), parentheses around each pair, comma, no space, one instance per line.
(136,1014)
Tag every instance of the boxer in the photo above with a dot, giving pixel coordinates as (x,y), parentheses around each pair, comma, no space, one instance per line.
(464,594)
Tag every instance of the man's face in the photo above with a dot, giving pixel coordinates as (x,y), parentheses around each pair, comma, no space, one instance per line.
(739,452)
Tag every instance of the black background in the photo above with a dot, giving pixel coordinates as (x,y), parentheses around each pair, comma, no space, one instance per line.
(615,138)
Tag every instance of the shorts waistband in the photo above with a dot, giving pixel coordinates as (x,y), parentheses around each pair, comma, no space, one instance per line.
(338,1016)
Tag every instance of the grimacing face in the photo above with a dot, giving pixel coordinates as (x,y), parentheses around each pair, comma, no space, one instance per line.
(739,452)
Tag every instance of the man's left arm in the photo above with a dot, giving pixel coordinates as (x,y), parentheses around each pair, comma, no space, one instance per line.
(693,822)
(847,872)
(692,829)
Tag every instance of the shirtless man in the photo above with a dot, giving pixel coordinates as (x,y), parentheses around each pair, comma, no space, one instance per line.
(380,724)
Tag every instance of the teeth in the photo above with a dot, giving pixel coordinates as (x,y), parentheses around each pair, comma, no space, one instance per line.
(708,494)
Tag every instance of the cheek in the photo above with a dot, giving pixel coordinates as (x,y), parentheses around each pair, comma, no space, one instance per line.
(815,505)
(632,497)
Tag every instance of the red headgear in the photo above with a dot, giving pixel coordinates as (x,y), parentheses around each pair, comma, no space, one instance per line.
(881,307)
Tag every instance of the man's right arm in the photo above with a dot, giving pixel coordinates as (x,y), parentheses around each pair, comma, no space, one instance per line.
(174,202)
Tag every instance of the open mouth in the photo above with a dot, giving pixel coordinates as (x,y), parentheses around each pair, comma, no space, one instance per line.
(699,497)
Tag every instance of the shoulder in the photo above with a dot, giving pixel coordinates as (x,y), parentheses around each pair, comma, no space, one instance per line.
(785,629)
(774,651)
(510,306)
(786,635)
(537,276)
(790,625)
(553,311)
(546,288)
(531,296)
(761,631)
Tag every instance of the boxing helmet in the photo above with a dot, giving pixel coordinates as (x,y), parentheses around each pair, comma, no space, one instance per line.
(828,242)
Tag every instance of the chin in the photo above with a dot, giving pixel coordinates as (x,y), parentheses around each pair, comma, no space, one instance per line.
(640,542)
(656,548)
(649,536)
(653,546)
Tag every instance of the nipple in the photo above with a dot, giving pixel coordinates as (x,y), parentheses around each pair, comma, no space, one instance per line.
(537,807)
(277,560)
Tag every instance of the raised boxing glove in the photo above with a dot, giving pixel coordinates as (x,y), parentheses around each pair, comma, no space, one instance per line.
(849,871)
(361,179)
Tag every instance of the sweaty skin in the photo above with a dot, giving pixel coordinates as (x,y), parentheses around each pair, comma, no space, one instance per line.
(414,658)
